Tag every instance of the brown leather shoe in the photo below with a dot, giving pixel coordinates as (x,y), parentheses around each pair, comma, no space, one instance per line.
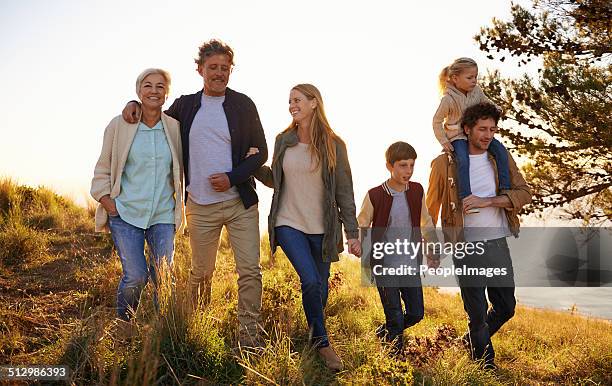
(331,359)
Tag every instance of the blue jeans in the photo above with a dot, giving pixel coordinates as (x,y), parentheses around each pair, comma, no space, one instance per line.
(396,321)
(485,321)
(462,155)
(129,242)
(305,254)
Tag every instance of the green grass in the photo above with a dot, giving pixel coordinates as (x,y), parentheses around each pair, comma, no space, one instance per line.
(58,282)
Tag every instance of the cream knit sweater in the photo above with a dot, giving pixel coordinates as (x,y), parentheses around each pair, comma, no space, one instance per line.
(452,105)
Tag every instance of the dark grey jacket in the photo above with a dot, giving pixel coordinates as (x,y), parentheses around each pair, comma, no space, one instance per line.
(338,204)
(245,132)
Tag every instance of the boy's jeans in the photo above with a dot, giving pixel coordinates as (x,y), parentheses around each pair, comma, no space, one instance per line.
(396,320)
(129,242)
(305,254)
(462,157)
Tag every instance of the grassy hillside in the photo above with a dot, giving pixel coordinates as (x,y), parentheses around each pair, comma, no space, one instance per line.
(57,292)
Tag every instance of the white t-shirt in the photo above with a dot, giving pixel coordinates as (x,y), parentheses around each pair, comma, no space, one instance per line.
(491,223)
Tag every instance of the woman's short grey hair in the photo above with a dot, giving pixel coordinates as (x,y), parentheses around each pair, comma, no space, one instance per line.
(150,71)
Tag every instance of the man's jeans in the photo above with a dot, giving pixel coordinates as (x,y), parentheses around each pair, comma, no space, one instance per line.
(482,323)
(305,254)
(129,242)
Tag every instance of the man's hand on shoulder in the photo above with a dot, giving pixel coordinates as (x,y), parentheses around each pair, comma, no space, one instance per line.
(131,112)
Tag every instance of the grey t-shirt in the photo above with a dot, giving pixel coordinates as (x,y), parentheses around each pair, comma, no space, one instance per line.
(210,152)
(399,217)
(400,226)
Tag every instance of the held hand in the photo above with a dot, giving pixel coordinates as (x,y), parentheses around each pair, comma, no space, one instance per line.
(131,112)
(354,247)
(448,147)
(473,202)
(433,261)
(109,205)
(252,151)
(220,182)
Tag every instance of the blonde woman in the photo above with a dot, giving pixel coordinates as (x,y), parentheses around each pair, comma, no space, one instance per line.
(138,183)
(313,196)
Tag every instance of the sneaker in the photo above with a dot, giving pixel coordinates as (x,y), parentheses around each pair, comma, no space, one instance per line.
(331,359)
(381,331)
(465,341)
(396,346)
(490,366)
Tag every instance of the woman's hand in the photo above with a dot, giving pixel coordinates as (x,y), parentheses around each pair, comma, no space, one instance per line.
(354,247)
(252,151)
(433,261)
(109,205)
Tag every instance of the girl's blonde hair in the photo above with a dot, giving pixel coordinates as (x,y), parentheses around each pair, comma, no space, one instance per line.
(322,137)
(455,68)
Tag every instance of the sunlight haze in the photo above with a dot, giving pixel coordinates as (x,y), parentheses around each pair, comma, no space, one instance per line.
(69,67)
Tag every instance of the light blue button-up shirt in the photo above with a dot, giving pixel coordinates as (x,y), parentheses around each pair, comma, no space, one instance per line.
(147,194)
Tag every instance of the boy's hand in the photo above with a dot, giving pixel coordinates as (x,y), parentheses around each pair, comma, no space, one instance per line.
(448,147)
(354,247)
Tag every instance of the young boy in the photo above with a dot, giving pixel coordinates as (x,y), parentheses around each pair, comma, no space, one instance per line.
(396,211)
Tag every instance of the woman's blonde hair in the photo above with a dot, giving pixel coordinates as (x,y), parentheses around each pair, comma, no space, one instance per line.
(322,137)
(455,68)
(150,71)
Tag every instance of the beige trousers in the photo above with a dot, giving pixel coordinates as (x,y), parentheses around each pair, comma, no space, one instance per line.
(205,223)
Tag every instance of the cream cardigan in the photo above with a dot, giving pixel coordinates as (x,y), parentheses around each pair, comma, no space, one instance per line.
(118,138)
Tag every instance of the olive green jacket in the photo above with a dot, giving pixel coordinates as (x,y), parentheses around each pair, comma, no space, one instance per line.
(338,200)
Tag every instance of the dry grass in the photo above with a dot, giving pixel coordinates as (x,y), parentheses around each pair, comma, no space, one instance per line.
(57,306)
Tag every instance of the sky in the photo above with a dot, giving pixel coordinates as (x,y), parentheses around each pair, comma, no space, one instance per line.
(69,67)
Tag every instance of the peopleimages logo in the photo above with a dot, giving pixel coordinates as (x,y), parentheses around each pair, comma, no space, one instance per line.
(538,257)
(408,270)
(404,247)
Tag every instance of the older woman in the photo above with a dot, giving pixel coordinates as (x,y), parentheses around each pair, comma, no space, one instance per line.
(313,196)
(138,183)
